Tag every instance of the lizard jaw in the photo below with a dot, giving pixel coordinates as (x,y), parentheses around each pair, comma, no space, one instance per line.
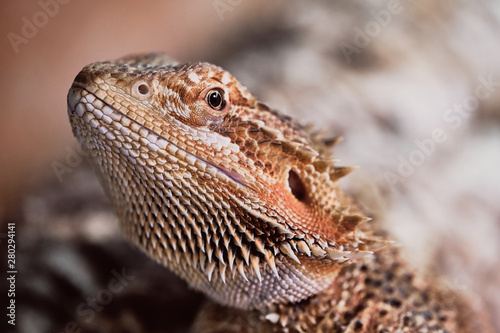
(103,111)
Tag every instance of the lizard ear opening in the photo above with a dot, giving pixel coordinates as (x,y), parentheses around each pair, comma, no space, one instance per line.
(297,187)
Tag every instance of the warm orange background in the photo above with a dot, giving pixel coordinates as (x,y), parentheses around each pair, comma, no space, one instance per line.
(34,129)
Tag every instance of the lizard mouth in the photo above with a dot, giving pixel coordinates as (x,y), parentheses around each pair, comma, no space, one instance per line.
(106,117)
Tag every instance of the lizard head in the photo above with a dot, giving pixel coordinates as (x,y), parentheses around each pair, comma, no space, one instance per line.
(239,200)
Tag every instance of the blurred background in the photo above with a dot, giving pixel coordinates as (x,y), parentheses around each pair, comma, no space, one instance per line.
(413,86)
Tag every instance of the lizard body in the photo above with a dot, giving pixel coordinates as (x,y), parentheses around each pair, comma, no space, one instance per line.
(243,203)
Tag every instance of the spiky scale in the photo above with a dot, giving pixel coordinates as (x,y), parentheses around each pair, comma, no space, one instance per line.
(222,271)
(259,245)
(323,165)
(306,155)
(273,133)
(240,265)
(209,252)
(210,269)
(219,255)
(230,258)
(334,254)
(339,172)
(350,222)
(285,231)
(317,251)
(269,257)
(358,254)
(290,147)
(255,264)
(245,252)
(287,250)
(304,248)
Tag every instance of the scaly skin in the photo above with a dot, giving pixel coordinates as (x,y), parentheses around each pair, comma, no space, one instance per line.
(243,203)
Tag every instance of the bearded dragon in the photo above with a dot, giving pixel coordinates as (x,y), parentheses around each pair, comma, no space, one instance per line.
(243,203)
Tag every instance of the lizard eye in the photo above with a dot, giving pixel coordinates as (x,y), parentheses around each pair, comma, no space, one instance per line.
(215,99)
(141,90)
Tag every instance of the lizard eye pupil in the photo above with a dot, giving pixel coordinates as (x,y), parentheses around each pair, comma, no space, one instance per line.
(215,99)
(143,89)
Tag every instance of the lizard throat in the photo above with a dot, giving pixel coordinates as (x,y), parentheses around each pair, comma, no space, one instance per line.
(85,104)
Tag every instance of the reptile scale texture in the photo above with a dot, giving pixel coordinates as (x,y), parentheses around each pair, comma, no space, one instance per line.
(243,203)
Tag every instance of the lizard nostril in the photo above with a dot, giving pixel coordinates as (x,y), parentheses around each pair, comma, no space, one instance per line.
(141,90)
(297,186)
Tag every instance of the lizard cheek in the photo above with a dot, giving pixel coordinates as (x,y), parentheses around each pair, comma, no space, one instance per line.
(200,115)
